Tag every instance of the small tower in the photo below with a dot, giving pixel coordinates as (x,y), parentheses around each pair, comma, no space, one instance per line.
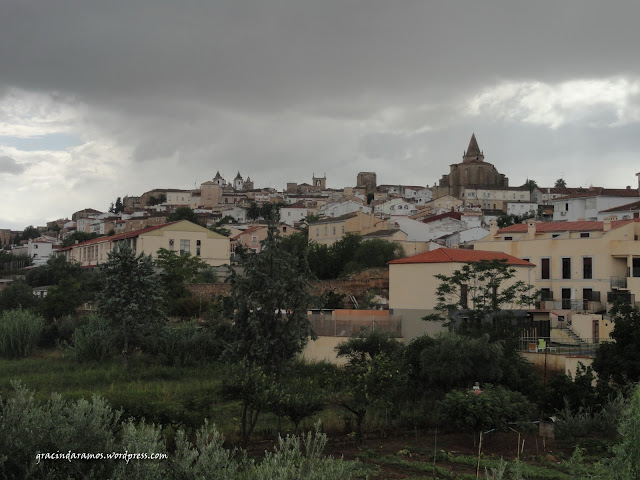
(248,184)
(218,180)
(319,183)
(473,153)
(238,183)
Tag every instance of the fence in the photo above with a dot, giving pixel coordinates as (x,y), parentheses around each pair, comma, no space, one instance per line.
(559,346)
(345,326)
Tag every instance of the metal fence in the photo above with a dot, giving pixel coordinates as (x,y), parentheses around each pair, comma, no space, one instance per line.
(559,346)
(345,326)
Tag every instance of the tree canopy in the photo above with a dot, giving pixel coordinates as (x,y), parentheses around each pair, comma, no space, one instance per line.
(131,297)
(271,298)
(482,291)
(619,361)
(560,183)
(183,213)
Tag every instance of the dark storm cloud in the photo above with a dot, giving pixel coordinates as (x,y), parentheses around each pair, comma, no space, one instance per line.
(170,92)
(275,54)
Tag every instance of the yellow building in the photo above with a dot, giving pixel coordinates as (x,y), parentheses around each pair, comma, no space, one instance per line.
(412,284)
(330,230)
(581,267)
(182,237)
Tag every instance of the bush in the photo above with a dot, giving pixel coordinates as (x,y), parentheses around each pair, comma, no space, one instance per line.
(185,344)
(94,341)
(20,332)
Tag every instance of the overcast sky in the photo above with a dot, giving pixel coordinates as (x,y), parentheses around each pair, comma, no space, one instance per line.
(100,99)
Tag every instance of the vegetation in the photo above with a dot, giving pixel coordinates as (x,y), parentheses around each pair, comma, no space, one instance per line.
(271,299)
(560,183)
(619,361)
(78,237)
(183,213)
(20,332)
(131,297)
(116,207)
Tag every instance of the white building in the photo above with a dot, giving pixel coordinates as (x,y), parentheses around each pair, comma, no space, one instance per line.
(343,208)
(588,204)
(293,214)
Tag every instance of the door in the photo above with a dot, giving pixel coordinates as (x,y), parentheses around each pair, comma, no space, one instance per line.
(566,299)
(586,298)
(595,331)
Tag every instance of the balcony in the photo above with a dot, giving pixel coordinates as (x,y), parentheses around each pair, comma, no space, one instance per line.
(618,282)
(588,306)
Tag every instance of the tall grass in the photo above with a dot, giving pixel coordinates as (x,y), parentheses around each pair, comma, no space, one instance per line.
(20,332)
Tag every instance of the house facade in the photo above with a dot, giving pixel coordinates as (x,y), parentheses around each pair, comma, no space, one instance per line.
(412,284)
(182,237)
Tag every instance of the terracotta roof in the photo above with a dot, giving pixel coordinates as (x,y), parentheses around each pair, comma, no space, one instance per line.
(623,208)
(119,236)
(460,255)
(336,219)
(545,227)
(600,191)
(248,230)
(454,215)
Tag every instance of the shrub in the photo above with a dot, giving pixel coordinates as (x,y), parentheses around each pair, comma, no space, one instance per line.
(185,344)
(20,332)
(93,341)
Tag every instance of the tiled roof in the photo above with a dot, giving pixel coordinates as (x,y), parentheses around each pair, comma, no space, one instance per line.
(454,215)
(336,219)
(119,236)
(382,233)
(249,230)
(460,255)
(623,208)
(602,192)
(545,227)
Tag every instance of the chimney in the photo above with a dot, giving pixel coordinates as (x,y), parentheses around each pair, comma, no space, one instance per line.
(493,229)
(606,225)
(531,228)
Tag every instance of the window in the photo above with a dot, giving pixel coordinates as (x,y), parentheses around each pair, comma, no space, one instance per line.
(545,294)
(334,230)
(545,264)
(463,296)
(185,247)
(555,235)
(284,229)
(566,268)
(587,267)
(198,246)
(317,232)
(508,238)
(584,234)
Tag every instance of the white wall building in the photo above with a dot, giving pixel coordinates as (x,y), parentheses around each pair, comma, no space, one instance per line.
(293,214)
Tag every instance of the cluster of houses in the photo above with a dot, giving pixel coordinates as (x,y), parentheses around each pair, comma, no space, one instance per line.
(580,247)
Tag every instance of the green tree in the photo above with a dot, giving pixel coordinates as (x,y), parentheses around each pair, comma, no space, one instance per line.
(30,232)
(364,383)
(627,453)
(531,185)
(370,197)
(560,183)
(118,207)
(451,361)
(271,298)
(253,212)
(482,291)
(183,213)
(176,272)
(17,295)
(79,237)
(131,297)
(619,361)
(62,299)
(256,390)
(300,398)
(374,253)
(495,407)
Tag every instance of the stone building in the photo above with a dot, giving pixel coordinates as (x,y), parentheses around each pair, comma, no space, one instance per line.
(367,180)
(472,172)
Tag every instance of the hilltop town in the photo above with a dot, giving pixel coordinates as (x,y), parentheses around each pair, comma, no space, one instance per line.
(435,303)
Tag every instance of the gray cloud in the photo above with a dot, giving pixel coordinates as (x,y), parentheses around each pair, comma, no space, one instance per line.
(10,166)
(279,89)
